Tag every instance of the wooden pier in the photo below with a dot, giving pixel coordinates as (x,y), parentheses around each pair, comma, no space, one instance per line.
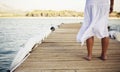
(60,52)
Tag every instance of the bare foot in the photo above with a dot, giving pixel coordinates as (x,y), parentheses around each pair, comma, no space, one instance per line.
(88,58)
(103,57)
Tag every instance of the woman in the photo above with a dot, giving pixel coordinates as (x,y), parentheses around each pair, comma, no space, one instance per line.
(95,24)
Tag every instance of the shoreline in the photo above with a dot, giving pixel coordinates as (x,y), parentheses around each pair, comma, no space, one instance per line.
(43,17)
(55,17)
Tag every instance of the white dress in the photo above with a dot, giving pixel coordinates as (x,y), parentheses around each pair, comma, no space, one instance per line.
(95,20)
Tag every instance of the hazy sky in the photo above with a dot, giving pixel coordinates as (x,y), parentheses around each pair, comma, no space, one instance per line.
(77,5)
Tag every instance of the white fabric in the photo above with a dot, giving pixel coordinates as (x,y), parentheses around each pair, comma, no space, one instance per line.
(95,20)
(98,2)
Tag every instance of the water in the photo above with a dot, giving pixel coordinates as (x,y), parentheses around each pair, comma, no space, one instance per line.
(15,32)
(114,24)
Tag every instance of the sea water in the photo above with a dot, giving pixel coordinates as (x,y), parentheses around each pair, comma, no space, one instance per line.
(15,32)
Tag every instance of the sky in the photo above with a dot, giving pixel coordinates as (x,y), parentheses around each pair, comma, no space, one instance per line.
(77,5)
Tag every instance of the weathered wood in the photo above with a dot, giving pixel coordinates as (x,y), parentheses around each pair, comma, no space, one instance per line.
(60,52)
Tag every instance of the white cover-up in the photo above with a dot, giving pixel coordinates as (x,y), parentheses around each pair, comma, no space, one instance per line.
(95,20)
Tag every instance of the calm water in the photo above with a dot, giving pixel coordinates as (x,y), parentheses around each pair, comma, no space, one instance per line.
(15,32)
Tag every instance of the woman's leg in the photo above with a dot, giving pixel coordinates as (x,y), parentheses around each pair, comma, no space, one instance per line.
(105,43)
(89,43)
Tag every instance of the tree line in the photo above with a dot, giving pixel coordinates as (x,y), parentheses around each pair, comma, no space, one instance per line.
(51,13)
(63,13)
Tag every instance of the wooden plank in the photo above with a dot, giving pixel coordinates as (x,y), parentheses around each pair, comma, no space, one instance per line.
(46,70)
(60,52)
(71,65)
